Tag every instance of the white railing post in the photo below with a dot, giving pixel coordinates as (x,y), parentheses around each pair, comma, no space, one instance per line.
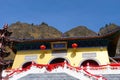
(65,65)
(88,68)
(108,67)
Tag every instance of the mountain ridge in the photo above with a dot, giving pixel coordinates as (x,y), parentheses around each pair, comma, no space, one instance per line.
(43,30)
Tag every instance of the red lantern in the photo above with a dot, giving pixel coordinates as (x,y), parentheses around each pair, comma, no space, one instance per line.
(74,45)
(42,47)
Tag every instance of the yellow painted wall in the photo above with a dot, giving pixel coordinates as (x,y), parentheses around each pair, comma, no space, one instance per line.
(41,58)
(75,59)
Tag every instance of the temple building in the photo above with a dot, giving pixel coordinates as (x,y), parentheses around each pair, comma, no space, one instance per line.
(77,51)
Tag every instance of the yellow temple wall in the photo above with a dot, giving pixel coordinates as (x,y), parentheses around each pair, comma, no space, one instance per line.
(101,56)
(74,56)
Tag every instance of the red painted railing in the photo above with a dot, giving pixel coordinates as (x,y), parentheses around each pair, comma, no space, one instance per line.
(50,67)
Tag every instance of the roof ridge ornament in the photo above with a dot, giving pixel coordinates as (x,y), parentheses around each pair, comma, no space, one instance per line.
(5,26)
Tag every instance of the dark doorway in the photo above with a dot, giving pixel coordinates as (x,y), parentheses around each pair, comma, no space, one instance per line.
(25,65)
(90,63)
(58,60)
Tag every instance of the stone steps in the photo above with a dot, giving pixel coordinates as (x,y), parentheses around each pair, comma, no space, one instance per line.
(48,76)
(112,76)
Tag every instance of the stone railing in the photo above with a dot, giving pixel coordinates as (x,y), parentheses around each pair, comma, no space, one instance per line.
(81,73)
(105,69)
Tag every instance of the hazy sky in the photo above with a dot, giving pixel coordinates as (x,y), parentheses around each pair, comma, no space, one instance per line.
(61,14)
